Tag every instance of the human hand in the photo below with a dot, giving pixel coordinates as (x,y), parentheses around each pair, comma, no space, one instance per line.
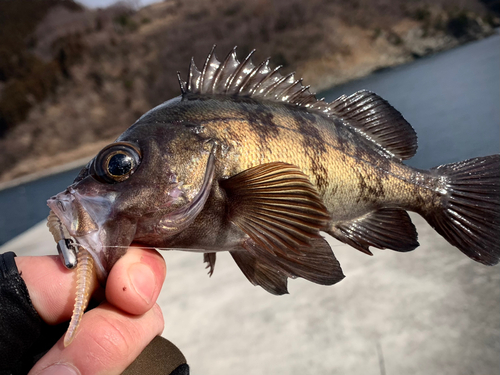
(113,334)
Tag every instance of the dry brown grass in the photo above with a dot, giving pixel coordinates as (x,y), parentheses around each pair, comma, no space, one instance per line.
(110,66)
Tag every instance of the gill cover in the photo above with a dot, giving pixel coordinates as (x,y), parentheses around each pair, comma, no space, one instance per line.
(180,219)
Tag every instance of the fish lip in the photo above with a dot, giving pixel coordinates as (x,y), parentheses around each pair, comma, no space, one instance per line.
(64,206)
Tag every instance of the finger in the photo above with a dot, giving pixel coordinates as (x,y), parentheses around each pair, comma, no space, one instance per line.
(50,286)
(107,341)
(135,281)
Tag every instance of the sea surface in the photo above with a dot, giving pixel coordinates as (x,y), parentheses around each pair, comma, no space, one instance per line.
(452,99)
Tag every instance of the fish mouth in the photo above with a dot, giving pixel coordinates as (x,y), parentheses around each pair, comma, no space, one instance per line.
(84,217)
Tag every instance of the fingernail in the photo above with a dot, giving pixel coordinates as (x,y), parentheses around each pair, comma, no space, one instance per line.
(60,369)
(143,280)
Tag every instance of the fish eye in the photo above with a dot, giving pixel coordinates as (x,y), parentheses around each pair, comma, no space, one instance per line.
(116,162)
(119,164)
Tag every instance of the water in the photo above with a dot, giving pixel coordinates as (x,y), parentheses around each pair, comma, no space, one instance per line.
(25,205)
(452,99)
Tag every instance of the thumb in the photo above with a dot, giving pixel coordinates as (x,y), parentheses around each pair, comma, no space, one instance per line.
(135,281)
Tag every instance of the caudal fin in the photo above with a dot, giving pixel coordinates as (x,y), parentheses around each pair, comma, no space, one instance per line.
(468,213)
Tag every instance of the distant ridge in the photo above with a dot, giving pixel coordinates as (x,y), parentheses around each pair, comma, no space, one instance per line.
(81,76)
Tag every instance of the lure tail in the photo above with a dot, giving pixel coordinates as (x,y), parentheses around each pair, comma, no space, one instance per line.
(467,213)
(85,280)
(85,276)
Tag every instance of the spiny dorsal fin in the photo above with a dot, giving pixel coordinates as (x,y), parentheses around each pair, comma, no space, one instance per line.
(365,111)
(245,79)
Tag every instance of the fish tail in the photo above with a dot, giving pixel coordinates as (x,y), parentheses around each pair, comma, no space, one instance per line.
(467,210)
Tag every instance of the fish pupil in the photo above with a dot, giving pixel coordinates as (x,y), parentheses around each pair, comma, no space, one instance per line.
(120,164)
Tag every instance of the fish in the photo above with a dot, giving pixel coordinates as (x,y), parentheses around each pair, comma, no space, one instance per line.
(248,161)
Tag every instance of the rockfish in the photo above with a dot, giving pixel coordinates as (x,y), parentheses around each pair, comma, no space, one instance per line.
(248,161)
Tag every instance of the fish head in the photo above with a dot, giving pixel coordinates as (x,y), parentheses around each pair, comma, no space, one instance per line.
(146,187)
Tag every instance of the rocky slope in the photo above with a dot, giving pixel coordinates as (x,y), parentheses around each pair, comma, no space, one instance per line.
(94,72)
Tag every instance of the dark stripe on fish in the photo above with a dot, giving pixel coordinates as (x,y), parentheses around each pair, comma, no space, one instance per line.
(314,147)
(261,121)
(371,190)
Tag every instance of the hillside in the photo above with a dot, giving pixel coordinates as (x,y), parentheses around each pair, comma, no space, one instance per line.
(72,79)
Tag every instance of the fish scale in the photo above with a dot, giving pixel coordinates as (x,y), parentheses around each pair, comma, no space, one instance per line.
(354,174)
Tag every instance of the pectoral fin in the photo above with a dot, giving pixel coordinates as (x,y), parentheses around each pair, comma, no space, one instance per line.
(276,205)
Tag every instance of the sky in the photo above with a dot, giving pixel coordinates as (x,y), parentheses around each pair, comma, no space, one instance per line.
(106,3)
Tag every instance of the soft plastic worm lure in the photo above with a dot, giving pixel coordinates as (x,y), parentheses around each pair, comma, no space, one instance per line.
(85,280)
(85,275)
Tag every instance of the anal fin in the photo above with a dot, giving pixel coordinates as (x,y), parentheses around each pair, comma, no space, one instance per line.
(385,229)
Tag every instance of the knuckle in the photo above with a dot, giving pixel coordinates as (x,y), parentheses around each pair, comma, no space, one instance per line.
(159,318)
(111,343)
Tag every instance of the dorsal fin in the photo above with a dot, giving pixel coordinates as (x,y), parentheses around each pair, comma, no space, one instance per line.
(245,79)
(364,111)
(378,120)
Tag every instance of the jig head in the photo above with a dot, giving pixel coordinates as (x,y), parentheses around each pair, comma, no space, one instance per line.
(67,252)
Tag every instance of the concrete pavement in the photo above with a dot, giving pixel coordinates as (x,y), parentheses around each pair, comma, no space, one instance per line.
(431,311)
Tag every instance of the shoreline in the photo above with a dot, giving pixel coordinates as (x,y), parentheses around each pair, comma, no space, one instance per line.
(89,150)
(43,173)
